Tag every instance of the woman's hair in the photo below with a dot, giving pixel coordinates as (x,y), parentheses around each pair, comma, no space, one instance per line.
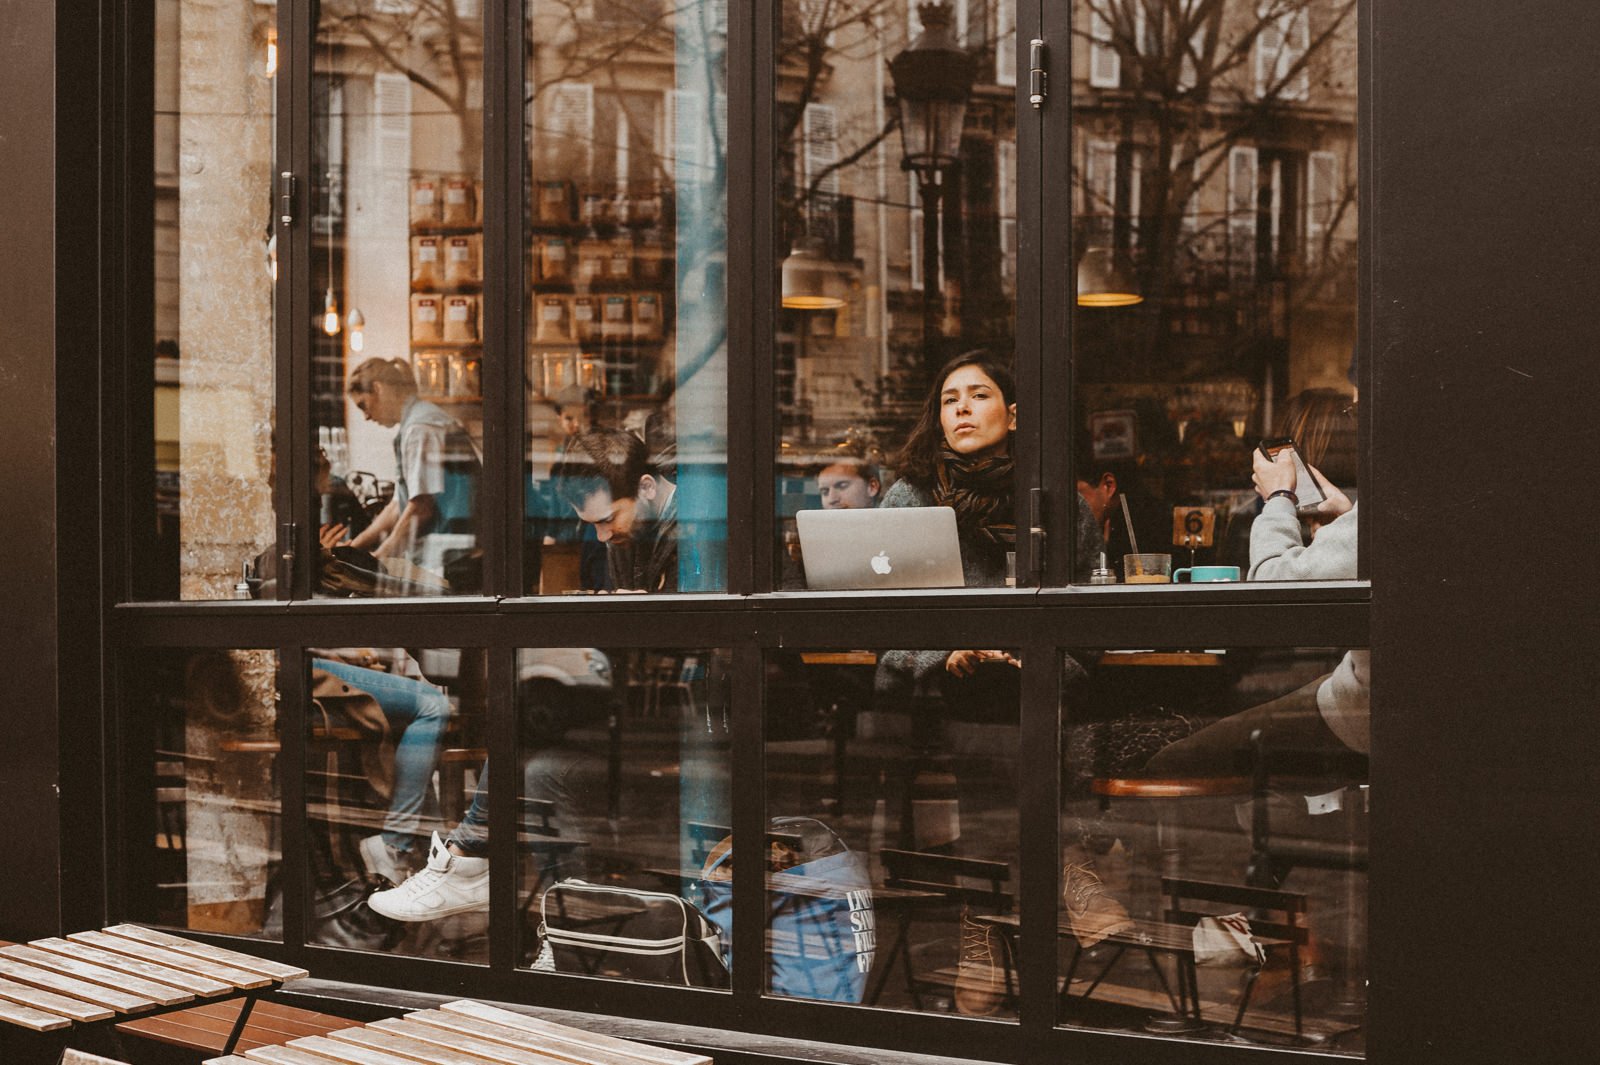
(918,458)
(391,373)
(1322,423)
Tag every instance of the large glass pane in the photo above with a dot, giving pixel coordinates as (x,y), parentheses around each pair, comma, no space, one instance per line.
(1214,220)
(213,274)
(394,755)
(623,813)
(893,828)
(896,214)
(397,293)
(626,343)
(1214,835)
(201,835)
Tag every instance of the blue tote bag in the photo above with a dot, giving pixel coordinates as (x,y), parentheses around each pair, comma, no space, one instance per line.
(823,932)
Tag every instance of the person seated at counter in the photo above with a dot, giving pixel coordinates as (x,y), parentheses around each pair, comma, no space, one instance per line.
(414,710)
(436,462)
(1331,712)
(1103,485)
(1322,423)
(1328,714)
(849,482)
(577,411)
(609,481)
(555,770)
(959,455)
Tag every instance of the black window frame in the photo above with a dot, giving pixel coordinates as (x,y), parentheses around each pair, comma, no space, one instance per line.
(750,617)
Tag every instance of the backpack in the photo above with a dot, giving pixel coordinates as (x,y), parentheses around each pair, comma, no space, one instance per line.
(600,930)
(822,933)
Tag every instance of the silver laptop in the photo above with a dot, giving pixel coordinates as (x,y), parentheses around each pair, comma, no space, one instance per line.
(895,547)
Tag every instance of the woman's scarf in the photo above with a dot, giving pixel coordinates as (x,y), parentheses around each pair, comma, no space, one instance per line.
(979,489)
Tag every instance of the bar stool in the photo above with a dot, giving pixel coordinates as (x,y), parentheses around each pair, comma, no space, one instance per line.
(1168,795)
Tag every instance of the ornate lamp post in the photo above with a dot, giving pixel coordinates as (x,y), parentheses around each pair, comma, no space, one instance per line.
(932,80)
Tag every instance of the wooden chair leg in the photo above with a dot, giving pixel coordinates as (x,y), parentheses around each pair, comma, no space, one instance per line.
(1244,1000)
(1177,1000)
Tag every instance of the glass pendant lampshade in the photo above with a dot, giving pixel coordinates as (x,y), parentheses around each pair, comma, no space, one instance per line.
(1102,281)
(809,281)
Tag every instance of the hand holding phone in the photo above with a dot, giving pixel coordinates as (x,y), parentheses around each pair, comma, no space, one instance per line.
(1272,475)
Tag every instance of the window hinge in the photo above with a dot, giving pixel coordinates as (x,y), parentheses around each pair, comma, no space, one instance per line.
(286,539)
(1036,74)
(286,198)
(1036,534)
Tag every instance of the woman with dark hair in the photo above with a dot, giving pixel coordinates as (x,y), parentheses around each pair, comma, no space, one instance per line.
(960,455)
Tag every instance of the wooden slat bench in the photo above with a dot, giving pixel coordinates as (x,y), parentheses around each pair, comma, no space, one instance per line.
(204,1030)
(90,979)
(462,1033)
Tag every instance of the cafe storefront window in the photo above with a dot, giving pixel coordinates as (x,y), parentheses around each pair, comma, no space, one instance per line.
(789,424)
(1214,217)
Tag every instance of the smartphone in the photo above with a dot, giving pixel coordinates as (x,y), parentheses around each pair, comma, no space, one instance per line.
(1306,487)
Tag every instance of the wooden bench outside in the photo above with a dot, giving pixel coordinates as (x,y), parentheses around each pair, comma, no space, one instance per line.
(462,1033)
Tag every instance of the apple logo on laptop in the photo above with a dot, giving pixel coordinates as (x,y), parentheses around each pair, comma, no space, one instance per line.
(880,562)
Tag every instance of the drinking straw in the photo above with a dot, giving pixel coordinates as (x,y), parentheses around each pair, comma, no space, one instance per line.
(1133,541)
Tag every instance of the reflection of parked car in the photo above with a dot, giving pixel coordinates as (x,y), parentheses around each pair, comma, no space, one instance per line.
(564,687)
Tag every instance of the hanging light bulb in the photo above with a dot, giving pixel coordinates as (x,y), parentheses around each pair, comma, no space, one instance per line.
(357,323)
(330,313)
(272,52)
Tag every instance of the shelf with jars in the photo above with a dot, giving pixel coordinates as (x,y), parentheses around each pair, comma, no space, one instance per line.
(446,241)
(600,271)
(599,277)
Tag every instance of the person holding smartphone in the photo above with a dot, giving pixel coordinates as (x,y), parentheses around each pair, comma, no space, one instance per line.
(1320,425)
(1277,542)
(1331,712)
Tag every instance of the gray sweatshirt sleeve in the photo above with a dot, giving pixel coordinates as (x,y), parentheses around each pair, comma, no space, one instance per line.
(1345,700)
(1277,552)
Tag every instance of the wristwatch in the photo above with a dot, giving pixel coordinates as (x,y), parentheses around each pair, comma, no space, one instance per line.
(1287,494)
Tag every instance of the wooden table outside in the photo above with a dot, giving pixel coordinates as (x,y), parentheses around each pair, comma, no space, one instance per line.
(463,1033)
(91,979)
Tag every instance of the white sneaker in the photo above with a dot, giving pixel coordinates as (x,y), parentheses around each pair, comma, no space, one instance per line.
(449,885)
(383,860)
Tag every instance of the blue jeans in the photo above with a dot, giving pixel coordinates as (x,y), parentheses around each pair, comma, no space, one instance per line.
(418,712)
(472,834)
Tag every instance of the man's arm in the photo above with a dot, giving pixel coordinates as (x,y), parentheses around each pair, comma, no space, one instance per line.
(409,527)
(373,534)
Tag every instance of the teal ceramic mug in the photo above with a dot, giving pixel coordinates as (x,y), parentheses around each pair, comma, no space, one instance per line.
(1206,574)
